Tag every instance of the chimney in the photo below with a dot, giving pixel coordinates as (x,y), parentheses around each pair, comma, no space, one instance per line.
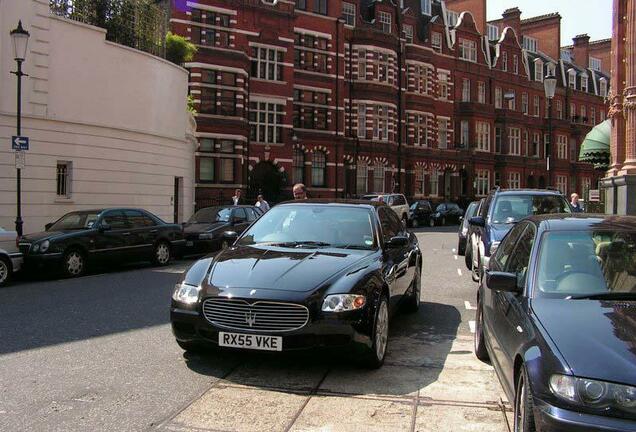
(581,50)
(512,19)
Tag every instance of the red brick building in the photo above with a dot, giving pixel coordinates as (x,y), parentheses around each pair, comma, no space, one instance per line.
(344,95)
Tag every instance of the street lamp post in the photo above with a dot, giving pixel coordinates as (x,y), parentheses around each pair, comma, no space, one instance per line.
(20,39)
(549,85)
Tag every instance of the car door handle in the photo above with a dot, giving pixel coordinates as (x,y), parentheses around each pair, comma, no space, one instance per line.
(125,234)
(153,231)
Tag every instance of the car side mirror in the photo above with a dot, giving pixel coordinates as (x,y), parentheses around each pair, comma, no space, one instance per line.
(48,226)
(104,227)
(477,221)
(461,219)
(502,281)
(397,242)
(230,236)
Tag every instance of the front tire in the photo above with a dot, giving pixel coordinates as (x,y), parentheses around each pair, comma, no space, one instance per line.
(524,405)
(431,222)
(374,358)
(74,263)
(413,302)
(475,269)
(6,271)
(480,344)
(415,223)
(161,254)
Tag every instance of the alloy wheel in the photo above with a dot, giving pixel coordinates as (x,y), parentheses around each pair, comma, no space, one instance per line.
(163,254)
(431,222)
(74,263)
(4,272)
(415,223)
(381,330)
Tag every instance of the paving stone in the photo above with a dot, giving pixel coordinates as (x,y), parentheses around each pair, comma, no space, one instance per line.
(284,374)
(444,418)
(239,409)
(460,385)
(337,414)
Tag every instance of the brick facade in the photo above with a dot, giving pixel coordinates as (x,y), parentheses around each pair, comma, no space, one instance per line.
(344,105)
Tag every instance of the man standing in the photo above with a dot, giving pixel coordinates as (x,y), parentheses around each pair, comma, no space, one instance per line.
(237,199)
(262,204)
(574,202)
(299,191)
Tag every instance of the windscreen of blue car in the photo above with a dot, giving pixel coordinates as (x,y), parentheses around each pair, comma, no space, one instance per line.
(336,226)
(513,208)
(573,263)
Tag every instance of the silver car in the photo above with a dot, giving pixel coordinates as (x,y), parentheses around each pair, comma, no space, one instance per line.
(10,256)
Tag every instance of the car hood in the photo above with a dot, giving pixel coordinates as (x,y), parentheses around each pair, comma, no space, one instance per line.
(597,338)
(203,227)
(276,268)
(44,235)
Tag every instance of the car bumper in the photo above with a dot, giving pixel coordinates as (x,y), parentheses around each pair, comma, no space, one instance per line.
(549,418)
(17,261)
(332,332)
(43,260)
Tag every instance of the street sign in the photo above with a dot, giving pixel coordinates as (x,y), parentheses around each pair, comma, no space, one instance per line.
(20,159)
(595,195)
(19,142)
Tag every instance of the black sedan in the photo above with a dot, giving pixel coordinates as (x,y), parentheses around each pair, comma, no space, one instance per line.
(205,230)
(420,213)
(115,234)
(445,213)
(315,273)
(556,315)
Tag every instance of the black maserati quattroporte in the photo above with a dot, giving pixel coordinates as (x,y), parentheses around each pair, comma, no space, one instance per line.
(308,274)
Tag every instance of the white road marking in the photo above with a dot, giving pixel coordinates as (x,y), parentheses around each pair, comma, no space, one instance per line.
(459,272)
(454,250)
(455,256)
(471,324)
(469,306)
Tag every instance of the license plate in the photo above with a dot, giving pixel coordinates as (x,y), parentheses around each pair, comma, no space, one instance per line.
(189,243)
(251,341)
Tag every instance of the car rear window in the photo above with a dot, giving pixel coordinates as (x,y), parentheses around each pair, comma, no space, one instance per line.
(513,208)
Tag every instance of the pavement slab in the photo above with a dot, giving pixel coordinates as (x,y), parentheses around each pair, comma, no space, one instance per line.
(458,418)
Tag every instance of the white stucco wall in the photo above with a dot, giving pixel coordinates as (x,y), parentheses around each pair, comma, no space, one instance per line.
(116,113)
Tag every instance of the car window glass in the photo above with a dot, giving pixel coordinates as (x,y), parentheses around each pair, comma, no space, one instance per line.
(507,245)
(148,221)
(251,215)
(239,213)
(400,200)
(520,258)
(388,227)
(396,223)
(135,218)
(116,219)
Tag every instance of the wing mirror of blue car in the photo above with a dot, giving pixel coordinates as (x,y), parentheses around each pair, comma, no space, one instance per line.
(502,281)
(397,242)
(104,227)
(477,221)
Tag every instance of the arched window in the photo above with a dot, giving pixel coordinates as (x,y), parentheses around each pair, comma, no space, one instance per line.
(318,169)
(378,177)
(362,177)
(420,177)
(298,168)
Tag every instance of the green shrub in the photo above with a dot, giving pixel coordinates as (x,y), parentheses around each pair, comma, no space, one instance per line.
(178,49)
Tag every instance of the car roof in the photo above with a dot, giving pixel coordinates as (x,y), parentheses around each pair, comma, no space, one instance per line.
(526,192)
(336,201)
(582,221)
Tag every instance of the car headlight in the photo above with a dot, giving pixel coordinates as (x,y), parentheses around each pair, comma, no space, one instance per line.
(44,246)
(186,294)
(594,393)
(35,248)
(343,302)
(493,247)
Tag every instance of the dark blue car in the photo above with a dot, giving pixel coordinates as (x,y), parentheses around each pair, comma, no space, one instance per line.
(556,316)
(501,209)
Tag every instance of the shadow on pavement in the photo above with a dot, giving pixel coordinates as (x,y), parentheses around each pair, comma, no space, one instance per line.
(419,345)
(436,229)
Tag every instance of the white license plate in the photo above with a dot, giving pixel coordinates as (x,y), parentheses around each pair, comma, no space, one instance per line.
(251,341)
(189,243)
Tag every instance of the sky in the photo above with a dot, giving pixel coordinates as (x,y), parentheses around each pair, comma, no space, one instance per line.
(593,17)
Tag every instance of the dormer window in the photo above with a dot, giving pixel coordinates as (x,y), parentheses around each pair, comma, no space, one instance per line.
(584,83)
(603,87)
(468,50)
(426,7)
(504,61)
(385,21)
(452,18)
(493,32)
(436,41)
(572,79)
(515,64)
(538,70)
(529,44)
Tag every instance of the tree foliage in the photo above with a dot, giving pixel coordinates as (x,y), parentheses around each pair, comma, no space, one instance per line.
(178,49)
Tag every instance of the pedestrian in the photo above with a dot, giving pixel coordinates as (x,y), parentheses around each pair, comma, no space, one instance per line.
(574,202)
(262,204)
(237,199)
(300,191)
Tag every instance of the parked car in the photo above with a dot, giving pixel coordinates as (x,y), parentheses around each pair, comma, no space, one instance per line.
(10,255)
(80,238)
(471,236)
(204,232)
(556,314)
(446,213)
(397,202)
(420,213)
(463,227)
(500,211)
(312,273)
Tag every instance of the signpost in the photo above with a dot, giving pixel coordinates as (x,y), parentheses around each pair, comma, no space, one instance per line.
(19,142)
(594,195)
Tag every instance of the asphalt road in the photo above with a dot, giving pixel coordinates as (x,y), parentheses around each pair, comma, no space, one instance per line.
(96,353)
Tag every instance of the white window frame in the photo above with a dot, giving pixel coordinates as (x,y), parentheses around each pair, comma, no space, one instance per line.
(498,98)
(443,85)
(512,102)
(524,103)
(442,133)
(268,63)
(583,113)
(64,179)
(536,143)
(362,64)
(362,177)
(420,180)
(483,182)
(481,92)
(538,70)
(468,50)
(362,121)
(515,64)
(426,7)
(504,61)
(595,63)
(562,147)
(482,133)
(464,137)
(379,175)
(465,90)
(559,109)
(514,180)
(451,18)
(551,69)
(434,182)
(436,41)
(572,79)
(493,32)
(603,87)
(349,13)
(514,141)
(562,183)
(536,108)
(530,44)
(277,109)
(584,81)
(407,29)
(420,126)
(385,20)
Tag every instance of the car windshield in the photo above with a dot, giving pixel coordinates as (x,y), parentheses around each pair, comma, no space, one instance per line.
(440,208)
(75,221)
(211,215)
(580,263)
(512,208)
(299,225)
(471,210)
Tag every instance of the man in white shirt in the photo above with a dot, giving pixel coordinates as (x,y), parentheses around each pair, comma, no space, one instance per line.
(262,204)
(237,199)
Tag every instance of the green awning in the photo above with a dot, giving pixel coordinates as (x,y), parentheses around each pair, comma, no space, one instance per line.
(595,148)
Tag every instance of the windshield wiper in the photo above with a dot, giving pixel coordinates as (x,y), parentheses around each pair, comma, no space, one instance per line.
(605,296)
(300,243)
